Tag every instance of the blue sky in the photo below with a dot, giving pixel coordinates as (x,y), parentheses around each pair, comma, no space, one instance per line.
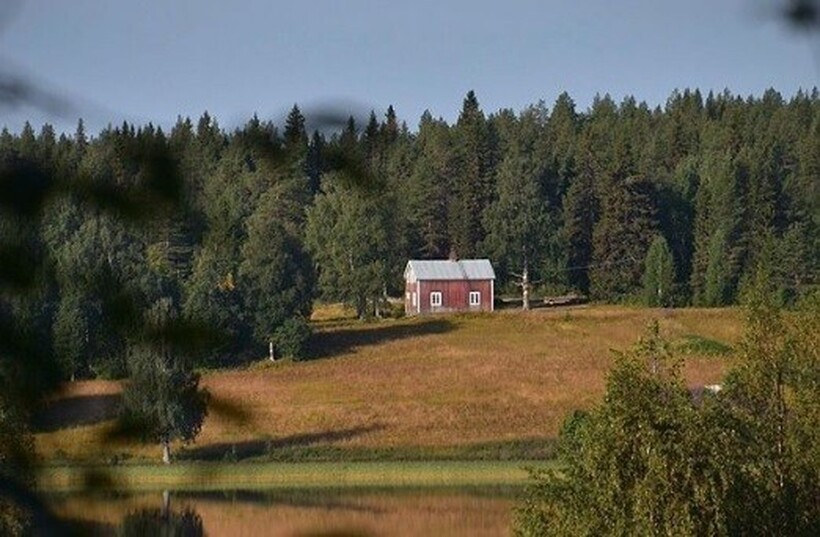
(152,60)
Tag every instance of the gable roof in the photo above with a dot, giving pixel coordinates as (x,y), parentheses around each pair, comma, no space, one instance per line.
(445,269)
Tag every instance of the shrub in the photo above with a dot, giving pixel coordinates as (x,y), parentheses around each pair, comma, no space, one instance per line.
(291,337)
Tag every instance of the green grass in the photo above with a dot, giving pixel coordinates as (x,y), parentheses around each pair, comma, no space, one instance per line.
(694,344)
(512,450)
(250,476)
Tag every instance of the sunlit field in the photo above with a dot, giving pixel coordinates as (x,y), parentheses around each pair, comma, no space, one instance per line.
(465,386)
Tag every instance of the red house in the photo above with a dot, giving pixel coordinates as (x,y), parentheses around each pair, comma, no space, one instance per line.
(439,286)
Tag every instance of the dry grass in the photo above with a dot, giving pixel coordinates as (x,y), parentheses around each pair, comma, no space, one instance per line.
(430,382)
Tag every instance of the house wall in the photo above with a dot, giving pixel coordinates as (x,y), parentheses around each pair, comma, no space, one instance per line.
(411,290)
(455,296)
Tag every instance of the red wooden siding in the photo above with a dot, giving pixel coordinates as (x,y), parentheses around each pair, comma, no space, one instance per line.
(455,295)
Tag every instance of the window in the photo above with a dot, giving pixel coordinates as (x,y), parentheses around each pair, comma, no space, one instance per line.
(413,294)
(435,298)
(475,298)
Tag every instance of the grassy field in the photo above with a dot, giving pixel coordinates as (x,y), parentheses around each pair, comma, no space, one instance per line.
(487,386)
(271,476)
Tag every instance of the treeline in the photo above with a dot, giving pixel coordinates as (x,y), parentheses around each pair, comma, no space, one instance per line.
(623,202)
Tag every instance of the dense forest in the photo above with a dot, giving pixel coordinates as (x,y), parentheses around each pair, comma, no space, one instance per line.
(668,206)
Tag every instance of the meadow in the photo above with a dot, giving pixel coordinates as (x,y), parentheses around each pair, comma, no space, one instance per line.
(461,387)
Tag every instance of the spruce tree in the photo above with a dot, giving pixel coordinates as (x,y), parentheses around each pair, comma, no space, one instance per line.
(295,134)
(621,236)
(580,214)
(721,237)
(276,273)
(472,186)
(427,190)
(390,129)
(519,225)
(71,335)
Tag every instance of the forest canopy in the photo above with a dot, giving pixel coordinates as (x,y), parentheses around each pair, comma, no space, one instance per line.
(276,216)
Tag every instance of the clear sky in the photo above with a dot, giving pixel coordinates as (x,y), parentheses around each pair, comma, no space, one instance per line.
(152,60)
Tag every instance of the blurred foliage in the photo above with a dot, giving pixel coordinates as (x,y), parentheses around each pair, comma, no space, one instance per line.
(655,459)
(93,232)
(162,523)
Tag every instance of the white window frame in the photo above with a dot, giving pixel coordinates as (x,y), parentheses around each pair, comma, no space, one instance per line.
(477,296)
(435,299)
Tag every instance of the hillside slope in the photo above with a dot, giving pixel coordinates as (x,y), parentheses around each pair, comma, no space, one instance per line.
(440,384)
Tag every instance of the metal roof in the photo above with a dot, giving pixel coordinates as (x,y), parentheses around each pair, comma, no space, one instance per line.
(445,269)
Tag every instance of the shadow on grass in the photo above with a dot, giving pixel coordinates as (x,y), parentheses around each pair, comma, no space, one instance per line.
(76,411)
(236,451)
(325,344)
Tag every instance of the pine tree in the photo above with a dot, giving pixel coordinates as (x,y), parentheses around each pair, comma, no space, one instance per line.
(621,236)
(372,144)
(562,140)
(314,162)
(389,130)
(580,214)
(295,135)
(472,189)
(676,202)
(427,190)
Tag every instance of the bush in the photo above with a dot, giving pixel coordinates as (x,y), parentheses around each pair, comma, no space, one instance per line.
(394,309)
(695,344)
(291,338)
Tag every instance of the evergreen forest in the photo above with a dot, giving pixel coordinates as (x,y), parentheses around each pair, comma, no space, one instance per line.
(622,202)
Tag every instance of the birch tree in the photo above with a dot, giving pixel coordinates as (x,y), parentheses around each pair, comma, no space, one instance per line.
(162,400)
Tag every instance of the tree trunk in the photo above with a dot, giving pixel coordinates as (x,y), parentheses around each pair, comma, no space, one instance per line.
(361,307)
(525,287)
(166,452)
(271,354)
(166,503)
